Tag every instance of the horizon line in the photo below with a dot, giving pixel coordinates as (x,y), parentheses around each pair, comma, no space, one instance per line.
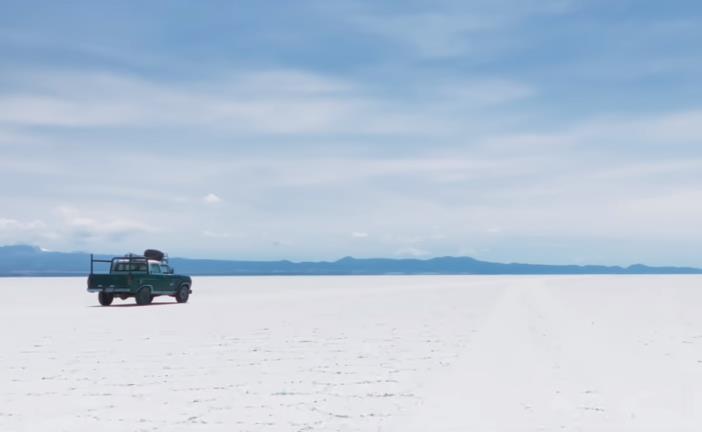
(350,257)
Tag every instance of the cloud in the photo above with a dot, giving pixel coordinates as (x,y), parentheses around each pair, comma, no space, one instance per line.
(411,252)
(480,92)
(454,30)
(19,231)
(13,225)
(546,184)
(434,35)
(630,138)
(245,104)
(82,228)
(11,137)
(211,198)
(216,234)
(261,101)
(51,111)
(434,124)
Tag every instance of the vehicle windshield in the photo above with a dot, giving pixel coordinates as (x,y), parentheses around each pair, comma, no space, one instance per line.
(126,266)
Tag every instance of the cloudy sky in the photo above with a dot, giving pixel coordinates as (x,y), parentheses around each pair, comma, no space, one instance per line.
(550,131)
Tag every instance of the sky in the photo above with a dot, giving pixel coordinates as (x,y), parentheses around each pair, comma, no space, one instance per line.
(550,131)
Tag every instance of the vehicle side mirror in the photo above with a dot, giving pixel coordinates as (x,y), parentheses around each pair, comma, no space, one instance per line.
(171,270)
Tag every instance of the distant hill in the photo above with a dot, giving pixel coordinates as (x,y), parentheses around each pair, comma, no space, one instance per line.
(25,260)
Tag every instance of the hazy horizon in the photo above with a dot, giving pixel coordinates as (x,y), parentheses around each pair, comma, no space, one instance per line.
(408,271)
(559,132)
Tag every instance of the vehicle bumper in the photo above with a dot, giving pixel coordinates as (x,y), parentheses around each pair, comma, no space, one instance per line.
(116,290)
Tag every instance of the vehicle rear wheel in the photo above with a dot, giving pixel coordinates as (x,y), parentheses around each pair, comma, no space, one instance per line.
(143,296)
(183,294)
(105,299)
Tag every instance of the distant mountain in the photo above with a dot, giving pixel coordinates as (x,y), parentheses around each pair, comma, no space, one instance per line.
(32,261)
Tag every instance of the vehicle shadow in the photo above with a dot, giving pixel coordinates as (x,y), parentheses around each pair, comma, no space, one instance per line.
(173,303)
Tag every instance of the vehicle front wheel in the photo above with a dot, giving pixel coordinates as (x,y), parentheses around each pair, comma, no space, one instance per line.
(105,299)
(143,296)
(183,294)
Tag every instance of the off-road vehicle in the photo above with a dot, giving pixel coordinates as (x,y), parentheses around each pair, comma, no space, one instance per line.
(143,277)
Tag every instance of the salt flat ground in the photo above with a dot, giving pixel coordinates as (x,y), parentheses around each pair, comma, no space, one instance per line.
(357,354)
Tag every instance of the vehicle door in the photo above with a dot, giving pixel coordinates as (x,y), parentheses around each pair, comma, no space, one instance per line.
(157,278)
(170,279)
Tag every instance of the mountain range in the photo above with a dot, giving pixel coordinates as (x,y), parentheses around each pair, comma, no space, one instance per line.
(24,260)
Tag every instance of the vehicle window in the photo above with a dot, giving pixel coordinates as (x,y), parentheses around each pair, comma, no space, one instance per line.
(165,269)
(128,266)
(155,269)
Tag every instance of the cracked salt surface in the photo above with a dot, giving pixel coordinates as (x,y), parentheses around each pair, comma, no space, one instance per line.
(424,353)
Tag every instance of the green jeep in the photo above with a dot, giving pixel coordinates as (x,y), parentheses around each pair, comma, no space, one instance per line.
(140,276)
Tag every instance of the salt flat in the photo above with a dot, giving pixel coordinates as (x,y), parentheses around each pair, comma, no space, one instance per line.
(423,353)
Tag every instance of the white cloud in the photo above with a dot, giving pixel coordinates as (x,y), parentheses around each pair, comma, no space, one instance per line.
(13,231)
(411,252)
(259,102)
(211,198)
(272,101)
(430,34)
(479,92)
(456,31)
(629,137)
(15,225)
(536,181)
(216,234)
(81,228)
(52,111)
(9,136)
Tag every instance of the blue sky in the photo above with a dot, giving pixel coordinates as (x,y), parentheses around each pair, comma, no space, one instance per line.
(547,131)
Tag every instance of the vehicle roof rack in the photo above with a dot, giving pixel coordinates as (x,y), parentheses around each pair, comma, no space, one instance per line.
(129,256)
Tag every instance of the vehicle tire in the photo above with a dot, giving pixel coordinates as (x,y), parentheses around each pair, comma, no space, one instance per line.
(105,299)
(183,294)
(143,296)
